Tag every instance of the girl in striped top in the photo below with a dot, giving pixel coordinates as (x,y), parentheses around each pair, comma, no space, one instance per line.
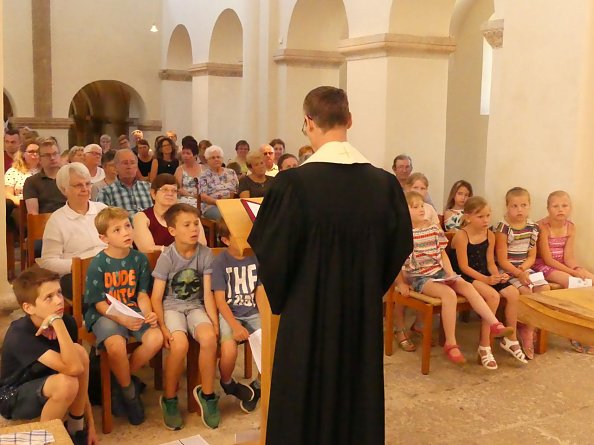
(515,249)
(428,270)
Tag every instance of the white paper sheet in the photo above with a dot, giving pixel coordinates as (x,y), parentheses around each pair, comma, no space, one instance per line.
(193,440)
(254,207)
(256,347)
(537,279)
(118,308)
(575,282)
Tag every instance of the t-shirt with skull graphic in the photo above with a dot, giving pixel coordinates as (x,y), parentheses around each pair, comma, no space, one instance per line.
(184,277)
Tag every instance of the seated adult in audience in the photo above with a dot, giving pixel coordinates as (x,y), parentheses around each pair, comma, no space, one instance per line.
(257,183)
(105,142)
(216,182)
(70,231)
(165,160)
(171,134)
(25,164)
(108,165)
(123,142)
(93,153)
(145,159)
(268,152)
(287,161)
(12,144)
(304,153)
(188,172)
(150,228)
(136,136)
(279,148)
(402,168)
(202,146)
(126,191)
(40,191)
(76,154)
(242,148)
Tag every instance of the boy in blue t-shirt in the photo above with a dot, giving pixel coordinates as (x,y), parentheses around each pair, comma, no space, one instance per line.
(124,274)
(234,282)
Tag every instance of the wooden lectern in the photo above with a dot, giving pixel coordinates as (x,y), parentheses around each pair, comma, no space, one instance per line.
(240,226)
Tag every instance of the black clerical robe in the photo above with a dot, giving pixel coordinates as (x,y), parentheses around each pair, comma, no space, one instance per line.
(330,239)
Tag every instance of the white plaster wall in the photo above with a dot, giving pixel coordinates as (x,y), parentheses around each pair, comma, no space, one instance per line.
(466,137)
(425,18)
(223,112)
(17,62)
(177,107)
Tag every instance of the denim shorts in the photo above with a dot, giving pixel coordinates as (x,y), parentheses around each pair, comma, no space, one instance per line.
(105,327)
(185,320)
(417,283)
(29,400)
(251,323)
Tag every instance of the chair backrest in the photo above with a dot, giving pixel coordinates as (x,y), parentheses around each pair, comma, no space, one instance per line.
(35,227)
(218,250)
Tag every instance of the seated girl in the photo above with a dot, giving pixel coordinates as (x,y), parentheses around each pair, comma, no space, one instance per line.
(418,182)
(454,210)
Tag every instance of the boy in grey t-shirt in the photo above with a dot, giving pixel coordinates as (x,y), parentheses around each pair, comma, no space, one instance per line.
(183,301)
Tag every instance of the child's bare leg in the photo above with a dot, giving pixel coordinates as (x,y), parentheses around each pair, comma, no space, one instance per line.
(78,405)
(152,342)
(399,322)
(60,390)
(491,297)
(479,305)
(117,356)
(559,277)
(228,359)
(512,297)
(174,364)
(449,302)
(207,359)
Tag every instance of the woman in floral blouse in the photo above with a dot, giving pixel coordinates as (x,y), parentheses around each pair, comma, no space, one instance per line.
(216,182)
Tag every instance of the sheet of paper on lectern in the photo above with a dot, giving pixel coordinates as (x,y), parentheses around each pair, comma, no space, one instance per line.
(116,307)
(256,347)
(251,208)
(575,282)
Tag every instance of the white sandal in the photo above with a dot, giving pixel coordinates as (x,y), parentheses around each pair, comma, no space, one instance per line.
(507,344)
(487,360)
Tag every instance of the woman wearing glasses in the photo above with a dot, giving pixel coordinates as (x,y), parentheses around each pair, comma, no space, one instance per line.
(24,165)
(70,231)
(150,228)
(217,182)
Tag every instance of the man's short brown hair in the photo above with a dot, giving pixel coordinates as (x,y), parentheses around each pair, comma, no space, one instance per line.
(328,107)
(26,285)
(105,216)
(170,215)
(223,229)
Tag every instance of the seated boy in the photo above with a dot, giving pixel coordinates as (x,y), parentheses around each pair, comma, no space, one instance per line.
(123,273)
(184,304)
(41,358)
(234,283)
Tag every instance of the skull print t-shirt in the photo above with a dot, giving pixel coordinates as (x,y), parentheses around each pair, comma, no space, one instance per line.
(184,277)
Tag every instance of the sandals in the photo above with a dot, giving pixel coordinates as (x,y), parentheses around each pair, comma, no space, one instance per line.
(499,330)
(577,346)
(589,350)
(527,340)
(455,359)
(406,344)
(514,348)
(485,358)
(415,331)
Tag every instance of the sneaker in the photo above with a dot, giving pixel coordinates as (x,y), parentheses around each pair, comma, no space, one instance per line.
(171,416)
(118,409)
(80,437)
(135,410)
(250,405)
(209,409)
(243,392)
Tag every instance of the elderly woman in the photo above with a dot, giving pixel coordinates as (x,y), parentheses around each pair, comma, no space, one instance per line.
(76,154)
(24,165)
(188,172)
(70,231)
(217,182)
(150,228)
(165,160)
(257,182)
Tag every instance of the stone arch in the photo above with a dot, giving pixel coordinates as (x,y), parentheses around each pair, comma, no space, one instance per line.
(179,51)
(317,25)
(8,106)
(226,43)
(104,106)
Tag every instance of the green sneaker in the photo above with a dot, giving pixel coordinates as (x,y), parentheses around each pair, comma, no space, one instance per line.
(171,416)
(209,409)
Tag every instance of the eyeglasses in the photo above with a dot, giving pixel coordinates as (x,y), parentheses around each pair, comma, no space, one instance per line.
(82,186)
(95,153)
(128,163)
(170,190)
(305,123)
(32,152)
(54,154)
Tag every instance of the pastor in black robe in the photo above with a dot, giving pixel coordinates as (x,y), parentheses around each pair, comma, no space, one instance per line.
(330,239)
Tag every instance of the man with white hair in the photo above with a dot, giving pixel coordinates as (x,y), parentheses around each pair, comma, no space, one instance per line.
(137,135)
(93,153)
(105,142)
(268,151)
(70,231)
(126,191)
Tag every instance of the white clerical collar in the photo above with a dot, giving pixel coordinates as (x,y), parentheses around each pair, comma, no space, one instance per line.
(337,153)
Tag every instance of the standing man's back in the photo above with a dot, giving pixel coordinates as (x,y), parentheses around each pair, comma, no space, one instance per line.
(331,237)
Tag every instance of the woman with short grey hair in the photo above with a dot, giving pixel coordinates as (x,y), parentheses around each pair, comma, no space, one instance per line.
(70,231)
(216,182)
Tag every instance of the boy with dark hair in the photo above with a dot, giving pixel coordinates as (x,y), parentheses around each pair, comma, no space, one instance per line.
(124,274)
(41,358)
(234,282)
(184,304)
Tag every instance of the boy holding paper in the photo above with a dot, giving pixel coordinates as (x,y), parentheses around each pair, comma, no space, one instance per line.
(184,305)
(122,273)
(234,282)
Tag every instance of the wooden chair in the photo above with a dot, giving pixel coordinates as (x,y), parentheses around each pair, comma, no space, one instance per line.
(23,233)
(79,273)
(35,227)
(210,226)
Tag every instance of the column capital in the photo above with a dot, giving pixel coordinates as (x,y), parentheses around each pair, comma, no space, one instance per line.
(175,75)
(49,123)
(493,32)
(308,58)
(217,69)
